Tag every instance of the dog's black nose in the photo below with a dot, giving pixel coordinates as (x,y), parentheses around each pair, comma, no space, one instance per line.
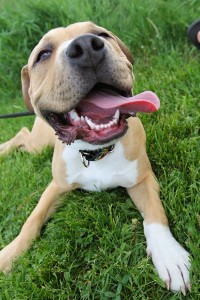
(87,50)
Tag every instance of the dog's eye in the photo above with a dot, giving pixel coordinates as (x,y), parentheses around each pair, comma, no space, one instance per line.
(43,55)
(104,35)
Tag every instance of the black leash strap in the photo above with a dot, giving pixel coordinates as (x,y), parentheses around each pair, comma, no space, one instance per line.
(16,115)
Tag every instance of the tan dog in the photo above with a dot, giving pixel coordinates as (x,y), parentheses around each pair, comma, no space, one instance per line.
(78,79)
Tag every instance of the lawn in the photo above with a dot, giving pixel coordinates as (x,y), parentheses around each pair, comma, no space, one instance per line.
(94,246)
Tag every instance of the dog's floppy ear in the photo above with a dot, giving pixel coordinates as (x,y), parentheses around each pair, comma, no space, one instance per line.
(124,49)
(25,86)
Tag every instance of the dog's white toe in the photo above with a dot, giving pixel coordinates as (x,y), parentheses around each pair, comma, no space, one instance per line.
(169,257)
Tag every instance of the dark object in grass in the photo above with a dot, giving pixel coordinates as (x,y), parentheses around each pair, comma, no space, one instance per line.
(193,29)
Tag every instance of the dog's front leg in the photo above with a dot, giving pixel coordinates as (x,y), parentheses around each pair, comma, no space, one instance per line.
(169,257)
(47,204)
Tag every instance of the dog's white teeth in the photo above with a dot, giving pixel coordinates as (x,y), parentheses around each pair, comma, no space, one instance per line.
(111,123)
(90,123)
(73,114)
(116,115)
(98,127)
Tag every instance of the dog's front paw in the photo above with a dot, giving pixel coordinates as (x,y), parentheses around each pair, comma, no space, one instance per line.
(8,255)
(5,261)
(169,257)
(5,148)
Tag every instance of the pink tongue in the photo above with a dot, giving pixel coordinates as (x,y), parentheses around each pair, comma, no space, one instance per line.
(143,102)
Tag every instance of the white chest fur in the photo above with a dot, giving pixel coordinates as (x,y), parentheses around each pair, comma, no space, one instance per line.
(111,171)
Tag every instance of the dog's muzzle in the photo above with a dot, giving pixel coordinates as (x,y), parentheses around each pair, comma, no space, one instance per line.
(97,113)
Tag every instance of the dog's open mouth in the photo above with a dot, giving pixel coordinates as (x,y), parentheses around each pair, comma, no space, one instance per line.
(101,116)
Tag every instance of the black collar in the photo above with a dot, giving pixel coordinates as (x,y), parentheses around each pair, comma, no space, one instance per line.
(87,155)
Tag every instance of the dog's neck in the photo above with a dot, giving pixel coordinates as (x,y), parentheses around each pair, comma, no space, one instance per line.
(81,145)
(88,155)
(89,152)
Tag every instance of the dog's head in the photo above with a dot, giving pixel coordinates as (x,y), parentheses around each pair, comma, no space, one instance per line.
(71,74)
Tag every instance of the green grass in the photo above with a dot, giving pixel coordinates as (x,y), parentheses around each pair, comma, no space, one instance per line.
(94,246)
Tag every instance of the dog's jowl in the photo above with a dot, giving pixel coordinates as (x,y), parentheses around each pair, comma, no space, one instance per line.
(78,80)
